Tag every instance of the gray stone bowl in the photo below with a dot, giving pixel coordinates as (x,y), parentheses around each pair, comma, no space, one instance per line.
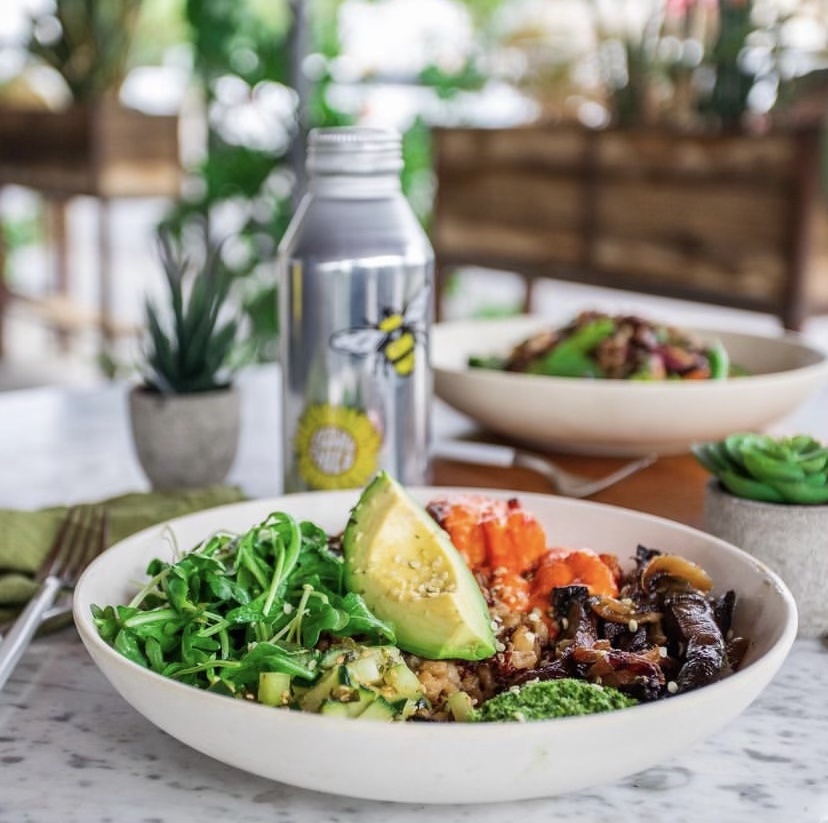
(791,540)
(185,440)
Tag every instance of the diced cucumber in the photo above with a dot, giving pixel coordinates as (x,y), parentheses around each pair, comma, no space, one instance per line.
(274,688)
(401,682)
(460,706)
(380,710)
(335,708)
(365,669)
(403,709)
(319,692)
(335,656)
(359,700)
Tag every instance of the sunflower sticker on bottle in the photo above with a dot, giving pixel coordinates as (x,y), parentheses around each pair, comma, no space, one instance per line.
(336,447)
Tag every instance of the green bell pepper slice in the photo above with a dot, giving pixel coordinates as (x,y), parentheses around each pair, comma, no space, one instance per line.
(719,361)
(571,358)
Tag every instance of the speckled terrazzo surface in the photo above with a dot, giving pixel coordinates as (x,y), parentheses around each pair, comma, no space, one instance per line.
(72,751)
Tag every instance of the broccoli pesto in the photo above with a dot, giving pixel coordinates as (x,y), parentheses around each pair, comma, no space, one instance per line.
(551,698)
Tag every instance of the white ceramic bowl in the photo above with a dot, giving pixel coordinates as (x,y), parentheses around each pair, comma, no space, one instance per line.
(621,417)
(448,763)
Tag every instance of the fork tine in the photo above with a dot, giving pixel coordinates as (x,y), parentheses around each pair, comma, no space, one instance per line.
(89,541)
(61,544)
(80,538)
(98,541)
(572,485)
(588,488)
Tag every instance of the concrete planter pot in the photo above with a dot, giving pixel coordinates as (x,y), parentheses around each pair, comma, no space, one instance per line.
(185,440)
(791,540)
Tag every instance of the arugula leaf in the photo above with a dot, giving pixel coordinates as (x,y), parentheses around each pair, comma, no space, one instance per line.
(236,606)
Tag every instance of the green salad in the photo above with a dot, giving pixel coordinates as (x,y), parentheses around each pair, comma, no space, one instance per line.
(240,605)
(619,347)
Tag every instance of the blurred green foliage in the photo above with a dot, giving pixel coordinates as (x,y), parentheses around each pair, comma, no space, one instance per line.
(250,40)
(87,42)
(247,40)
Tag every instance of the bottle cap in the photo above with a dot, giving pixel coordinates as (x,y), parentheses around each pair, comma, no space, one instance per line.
(354,150)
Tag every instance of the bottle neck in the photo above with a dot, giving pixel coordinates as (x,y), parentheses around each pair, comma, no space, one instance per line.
(354,186)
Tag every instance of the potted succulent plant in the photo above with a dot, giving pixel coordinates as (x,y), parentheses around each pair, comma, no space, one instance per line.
(769,495)
(185,412)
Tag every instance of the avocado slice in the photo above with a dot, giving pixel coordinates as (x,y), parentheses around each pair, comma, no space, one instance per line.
(410,574)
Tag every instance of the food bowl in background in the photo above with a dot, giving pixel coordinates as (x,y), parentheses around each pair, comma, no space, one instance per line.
(447,762)
(621,417)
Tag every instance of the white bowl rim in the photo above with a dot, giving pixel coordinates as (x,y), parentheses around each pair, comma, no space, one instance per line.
(791,338)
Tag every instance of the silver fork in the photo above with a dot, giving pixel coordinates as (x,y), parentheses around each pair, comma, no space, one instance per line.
(80,538)
(564,482)
(570,484)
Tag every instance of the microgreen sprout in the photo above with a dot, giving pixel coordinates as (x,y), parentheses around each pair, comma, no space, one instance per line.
(239,605)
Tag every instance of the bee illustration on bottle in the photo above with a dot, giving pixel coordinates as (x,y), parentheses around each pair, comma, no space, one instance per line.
(391,340)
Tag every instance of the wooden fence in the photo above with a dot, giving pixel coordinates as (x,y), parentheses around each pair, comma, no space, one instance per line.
(727,219)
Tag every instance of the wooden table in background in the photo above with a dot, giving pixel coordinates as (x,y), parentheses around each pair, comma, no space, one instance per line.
(672,487)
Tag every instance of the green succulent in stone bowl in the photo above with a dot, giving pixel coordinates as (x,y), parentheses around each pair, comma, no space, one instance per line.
(792,470)
(190,345)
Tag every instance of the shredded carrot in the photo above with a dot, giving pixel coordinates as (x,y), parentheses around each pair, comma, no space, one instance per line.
(507,546)
(696,374)
(461,519)
(515,541)
(570,567)
(491,534)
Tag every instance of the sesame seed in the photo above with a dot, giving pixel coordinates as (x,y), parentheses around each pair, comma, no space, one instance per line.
(501,647)
(662,651)
(564,623)
(633,626)
(672,687)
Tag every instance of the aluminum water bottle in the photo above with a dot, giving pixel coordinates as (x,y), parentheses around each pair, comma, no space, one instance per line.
(355,306)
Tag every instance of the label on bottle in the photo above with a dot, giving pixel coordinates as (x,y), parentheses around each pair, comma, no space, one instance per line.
(339,446)
(390,342)
(336,447)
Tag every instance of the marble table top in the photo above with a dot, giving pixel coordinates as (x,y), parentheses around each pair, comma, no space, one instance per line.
(72,750)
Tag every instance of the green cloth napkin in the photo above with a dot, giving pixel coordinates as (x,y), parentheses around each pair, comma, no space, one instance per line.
(25,536)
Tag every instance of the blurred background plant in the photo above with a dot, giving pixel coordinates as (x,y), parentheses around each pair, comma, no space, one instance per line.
(252,76)
(87,43)
(682,63)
